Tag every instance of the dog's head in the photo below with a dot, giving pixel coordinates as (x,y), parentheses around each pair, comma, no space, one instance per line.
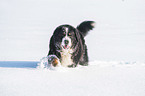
(65,36)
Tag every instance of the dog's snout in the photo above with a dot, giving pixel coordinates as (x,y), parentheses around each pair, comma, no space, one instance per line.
(66,42)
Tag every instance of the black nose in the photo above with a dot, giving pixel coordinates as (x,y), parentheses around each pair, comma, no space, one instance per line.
(66,42)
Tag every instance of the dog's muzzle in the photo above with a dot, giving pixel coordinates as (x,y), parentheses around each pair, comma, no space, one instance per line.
(66,43)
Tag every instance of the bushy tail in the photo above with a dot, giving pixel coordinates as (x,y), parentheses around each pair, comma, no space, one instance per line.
(85,27)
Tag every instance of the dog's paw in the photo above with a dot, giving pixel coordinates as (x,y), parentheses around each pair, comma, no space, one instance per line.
(53,61)
(72,66)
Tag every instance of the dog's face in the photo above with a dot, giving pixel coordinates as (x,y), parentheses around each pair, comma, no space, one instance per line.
(65,37)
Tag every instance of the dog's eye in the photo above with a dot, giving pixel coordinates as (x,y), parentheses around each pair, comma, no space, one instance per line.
(69,34)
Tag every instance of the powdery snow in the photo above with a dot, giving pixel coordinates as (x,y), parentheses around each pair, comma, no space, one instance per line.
(98,79)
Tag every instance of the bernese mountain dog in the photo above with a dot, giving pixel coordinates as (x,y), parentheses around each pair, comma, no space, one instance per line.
(67,45)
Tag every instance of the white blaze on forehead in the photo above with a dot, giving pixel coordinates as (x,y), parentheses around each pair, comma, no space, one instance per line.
(66,30)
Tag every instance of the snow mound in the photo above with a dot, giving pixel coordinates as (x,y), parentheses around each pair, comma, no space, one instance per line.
(43,64)
(116,63)
(104,78)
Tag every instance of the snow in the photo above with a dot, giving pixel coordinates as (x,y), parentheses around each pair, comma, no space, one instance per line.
(99,78)
(116,48)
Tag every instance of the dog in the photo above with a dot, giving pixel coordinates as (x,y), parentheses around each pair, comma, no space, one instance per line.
(67,46)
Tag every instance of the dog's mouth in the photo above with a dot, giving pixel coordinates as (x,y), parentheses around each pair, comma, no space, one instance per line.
(66,46)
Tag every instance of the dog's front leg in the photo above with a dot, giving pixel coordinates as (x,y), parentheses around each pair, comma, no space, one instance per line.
(54,61)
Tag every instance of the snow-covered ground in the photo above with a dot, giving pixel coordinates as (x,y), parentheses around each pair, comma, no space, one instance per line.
(116,48)
(98,79)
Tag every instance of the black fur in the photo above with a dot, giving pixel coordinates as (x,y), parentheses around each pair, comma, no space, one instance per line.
(85,27)
(79,54)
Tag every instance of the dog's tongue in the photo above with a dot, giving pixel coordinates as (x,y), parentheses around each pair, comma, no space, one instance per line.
(66,47)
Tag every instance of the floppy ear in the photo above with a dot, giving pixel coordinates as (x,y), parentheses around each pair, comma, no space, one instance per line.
(51,46)
(77,35)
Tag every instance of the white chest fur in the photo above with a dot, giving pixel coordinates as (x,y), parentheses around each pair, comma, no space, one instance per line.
(66,57)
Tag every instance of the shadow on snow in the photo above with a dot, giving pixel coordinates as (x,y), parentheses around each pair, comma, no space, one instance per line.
(18,64)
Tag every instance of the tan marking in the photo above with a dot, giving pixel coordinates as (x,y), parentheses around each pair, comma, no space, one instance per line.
(55,62)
